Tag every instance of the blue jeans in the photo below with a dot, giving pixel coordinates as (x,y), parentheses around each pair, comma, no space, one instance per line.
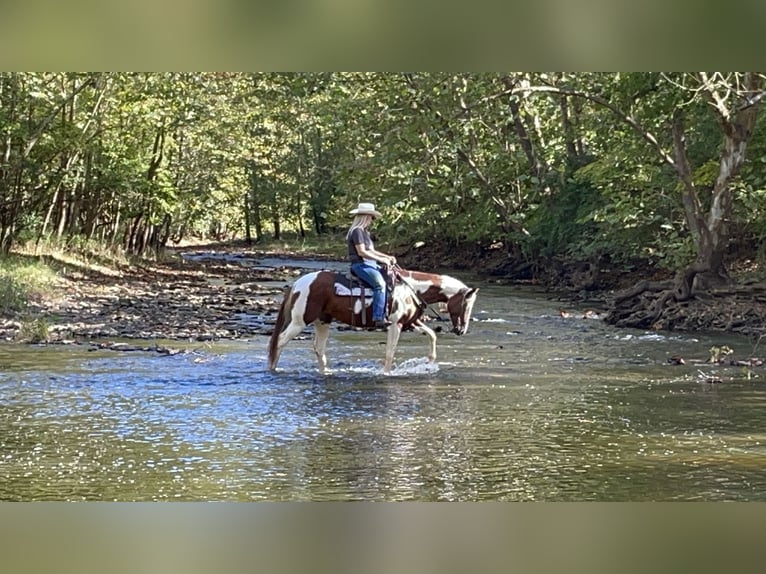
(370,273)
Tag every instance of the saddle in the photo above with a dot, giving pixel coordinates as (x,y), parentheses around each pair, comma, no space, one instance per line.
(350,285)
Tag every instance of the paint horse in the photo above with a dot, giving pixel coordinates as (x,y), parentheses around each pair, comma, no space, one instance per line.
(313,299)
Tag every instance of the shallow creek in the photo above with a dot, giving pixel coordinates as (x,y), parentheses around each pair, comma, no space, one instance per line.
(527,406)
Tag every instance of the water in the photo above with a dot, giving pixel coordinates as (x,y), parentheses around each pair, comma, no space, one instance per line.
(527,406)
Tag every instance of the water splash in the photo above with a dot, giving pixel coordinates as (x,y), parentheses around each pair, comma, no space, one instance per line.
(416,366)
(655,337)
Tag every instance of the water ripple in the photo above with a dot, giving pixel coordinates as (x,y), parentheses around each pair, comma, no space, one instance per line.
(527,406)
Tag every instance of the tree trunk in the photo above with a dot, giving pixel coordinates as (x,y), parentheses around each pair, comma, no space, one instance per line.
(116,223)
(63,215)
(246,214)
(255,197)
(161,235)
(140,231)
(710,231)
(256,211)
(132,239)
(536,165)
(568,129)
(318,191)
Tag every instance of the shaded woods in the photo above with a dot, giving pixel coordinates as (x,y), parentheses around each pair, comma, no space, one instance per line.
(648,187)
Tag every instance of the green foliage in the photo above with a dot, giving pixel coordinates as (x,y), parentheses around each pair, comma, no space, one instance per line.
(13,294)
(749,221)
(137,159)
(563,224)
(32,330)
(22,280)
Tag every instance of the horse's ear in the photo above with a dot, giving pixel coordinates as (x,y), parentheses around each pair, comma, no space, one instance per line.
(472,293)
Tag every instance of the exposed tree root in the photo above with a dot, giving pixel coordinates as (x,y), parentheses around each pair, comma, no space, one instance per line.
(661,306)
(641,287)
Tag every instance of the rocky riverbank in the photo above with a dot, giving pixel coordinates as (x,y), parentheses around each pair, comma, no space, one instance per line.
(226,292)
(193,296)
(737,308)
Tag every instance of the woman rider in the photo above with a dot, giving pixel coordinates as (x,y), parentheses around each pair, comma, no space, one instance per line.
(365,260)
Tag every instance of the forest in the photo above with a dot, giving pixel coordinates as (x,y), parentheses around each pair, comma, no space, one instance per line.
(567,179)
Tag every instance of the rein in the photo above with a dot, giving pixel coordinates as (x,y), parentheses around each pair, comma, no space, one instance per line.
(422,305)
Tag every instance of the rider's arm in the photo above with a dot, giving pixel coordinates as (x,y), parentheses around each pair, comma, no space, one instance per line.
(365,253)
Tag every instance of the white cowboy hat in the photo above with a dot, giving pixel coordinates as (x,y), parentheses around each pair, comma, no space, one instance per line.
(366,209)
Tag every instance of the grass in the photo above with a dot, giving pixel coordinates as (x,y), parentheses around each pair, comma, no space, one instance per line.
(21,280)
(32,330)
(32,271)
(76,254)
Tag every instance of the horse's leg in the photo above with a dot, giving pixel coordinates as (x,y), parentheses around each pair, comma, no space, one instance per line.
(291,331)
(321,334)
(394,330)
(418,326)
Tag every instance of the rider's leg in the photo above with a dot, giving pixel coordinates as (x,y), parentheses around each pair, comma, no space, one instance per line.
(374,278)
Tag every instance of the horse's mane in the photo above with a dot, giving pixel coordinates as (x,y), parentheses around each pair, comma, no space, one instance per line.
(450,281)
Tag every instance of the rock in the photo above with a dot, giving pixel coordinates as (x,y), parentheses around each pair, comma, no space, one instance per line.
(169,300)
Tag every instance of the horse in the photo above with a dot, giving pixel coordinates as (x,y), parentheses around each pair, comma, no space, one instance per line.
(313,299)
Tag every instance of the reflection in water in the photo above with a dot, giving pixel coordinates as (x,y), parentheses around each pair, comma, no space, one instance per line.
(528,406)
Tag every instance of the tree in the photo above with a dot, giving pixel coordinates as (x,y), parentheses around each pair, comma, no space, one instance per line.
(557,169)
(734,99)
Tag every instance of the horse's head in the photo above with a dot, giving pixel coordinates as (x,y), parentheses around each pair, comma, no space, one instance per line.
(460,306)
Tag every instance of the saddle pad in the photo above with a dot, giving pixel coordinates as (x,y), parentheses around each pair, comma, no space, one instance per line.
(344,291)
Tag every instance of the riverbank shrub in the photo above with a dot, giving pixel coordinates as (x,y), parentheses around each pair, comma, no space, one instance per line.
(32,330)
(21,280)
(13,296)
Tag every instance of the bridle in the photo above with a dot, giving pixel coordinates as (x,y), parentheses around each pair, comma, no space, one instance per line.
(422,305)
(462,323)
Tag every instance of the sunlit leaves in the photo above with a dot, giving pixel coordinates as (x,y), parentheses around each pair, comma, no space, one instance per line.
(460,156)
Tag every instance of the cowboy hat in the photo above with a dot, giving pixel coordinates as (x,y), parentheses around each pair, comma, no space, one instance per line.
(365,209)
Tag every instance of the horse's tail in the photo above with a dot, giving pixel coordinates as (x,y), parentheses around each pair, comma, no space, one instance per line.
(285,311)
